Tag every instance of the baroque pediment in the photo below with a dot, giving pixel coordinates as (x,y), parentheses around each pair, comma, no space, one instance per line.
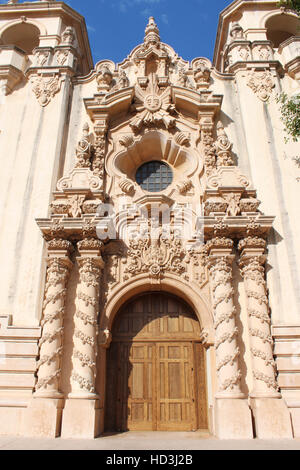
(148,82)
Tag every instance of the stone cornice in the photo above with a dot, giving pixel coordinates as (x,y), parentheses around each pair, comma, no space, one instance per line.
(235,227)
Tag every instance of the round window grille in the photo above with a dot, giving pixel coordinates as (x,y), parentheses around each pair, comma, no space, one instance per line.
(154,176)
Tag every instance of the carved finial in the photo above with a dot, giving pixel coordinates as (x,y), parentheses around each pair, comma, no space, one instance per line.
(152,32)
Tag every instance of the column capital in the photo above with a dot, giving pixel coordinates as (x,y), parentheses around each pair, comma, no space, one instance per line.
(90,247)
(252,246)
(219,246)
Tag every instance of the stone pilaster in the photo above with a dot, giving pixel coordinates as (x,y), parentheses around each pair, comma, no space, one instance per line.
(232,414)
(81,414)
(265,388)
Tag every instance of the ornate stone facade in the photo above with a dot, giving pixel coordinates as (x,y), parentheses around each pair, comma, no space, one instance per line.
(112,231)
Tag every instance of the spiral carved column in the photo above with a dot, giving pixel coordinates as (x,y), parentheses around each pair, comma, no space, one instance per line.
(261,342)
(232,413)
(271,415)
(51,342)
(85,334)
(227,351)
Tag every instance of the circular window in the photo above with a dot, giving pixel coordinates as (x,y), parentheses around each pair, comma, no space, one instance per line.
(154,176)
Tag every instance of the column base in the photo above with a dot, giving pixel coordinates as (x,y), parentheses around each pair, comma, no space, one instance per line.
(43,417)
(81,419)
(233,419)
(272,418)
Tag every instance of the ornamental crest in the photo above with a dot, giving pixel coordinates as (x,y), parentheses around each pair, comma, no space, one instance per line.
(262,84)
(45,88)
(155,256)
(153,106)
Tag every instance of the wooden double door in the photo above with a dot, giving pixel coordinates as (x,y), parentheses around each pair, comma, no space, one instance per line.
(155,368)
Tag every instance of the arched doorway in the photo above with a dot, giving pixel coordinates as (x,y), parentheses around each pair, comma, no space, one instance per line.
(156,378)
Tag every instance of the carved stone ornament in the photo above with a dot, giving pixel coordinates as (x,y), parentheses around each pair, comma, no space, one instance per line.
(262,84)
(236,32)
(105,338)
(126,186)
(184,186)
(215,204)
(223,147)
(104,79)
(233,208)
(80,178)
(68,36)
(181,138)
(153,107)
(45,87)
(83,150)
(201,74)
(156,256)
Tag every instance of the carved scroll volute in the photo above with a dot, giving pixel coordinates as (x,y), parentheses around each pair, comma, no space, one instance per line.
(252,263)
(227,352)
(51,342)
(90,265)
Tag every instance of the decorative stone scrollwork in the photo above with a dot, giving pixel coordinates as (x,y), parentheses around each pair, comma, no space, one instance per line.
(261,341)
(209,151)
(126,186)
(156,256)
(48,367)
(99,149)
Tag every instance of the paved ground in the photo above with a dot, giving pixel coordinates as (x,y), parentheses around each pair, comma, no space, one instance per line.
(147,441)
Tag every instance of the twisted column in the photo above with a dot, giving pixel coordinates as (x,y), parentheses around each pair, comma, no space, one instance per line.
(85,333)
(252,263)
(227,351)
(51,342)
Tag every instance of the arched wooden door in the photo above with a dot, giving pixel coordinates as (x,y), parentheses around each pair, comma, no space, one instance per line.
(156,377)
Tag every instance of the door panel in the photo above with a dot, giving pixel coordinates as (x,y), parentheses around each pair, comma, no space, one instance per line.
(140,387)
(175,400)
(156,368)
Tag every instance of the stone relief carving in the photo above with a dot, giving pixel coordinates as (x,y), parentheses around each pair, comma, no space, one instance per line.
(68,36)
(223,147)
(104,79)
(236,32)
(83,150)
(202,73)
(262,83)
(45,87)
(153,107)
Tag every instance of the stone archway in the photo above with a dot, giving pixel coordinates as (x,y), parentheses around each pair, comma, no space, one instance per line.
(156,378)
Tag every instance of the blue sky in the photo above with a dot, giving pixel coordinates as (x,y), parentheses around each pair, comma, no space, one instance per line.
(115,27)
